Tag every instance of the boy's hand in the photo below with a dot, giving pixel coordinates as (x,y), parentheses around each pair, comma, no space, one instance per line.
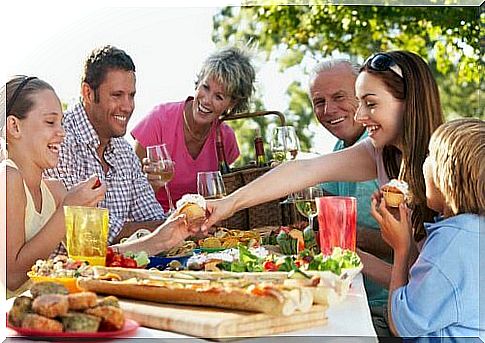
(396,232)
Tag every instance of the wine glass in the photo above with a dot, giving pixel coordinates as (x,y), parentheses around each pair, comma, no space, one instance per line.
(305,202)
(162,165)
(285,146)
(284,143)
(210,185)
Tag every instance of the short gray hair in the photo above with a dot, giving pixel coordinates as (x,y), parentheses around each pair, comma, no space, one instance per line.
(330,64)
(233,69)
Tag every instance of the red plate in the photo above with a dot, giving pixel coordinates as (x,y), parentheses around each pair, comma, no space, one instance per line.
(130,325)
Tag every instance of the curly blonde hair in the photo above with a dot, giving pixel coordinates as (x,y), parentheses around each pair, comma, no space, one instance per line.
(458,150)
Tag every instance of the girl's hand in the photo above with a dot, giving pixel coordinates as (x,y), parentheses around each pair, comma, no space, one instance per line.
(86,193)
(216,211)
(396,232)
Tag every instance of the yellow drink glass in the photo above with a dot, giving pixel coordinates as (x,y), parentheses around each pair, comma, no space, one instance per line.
(87,233)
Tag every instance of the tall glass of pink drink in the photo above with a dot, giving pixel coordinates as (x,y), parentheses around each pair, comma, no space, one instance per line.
(337,219)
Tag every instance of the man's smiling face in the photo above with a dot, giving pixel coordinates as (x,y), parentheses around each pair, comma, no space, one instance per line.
(333,98)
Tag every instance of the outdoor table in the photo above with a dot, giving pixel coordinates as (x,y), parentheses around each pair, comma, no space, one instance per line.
(348,321)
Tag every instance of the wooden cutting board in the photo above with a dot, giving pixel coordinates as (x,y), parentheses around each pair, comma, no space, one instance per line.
(217,323)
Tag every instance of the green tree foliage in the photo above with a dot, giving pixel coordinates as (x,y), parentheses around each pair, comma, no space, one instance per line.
(447,37)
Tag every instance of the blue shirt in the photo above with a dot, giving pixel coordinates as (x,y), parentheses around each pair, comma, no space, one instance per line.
(376,294)
(441,298)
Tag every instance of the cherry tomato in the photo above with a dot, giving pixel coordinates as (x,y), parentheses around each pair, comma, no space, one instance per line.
(270,266)
(298,263)
(109,255)
(117,258)
(97,183)
(128,262)
(115,264)
(73,265)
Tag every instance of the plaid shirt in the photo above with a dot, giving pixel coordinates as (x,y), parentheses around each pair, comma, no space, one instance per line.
(129,196)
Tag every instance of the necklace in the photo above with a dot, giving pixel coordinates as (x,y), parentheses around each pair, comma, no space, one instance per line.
(189,130)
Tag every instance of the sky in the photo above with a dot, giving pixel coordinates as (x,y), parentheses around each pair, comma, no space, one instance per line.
(168,43)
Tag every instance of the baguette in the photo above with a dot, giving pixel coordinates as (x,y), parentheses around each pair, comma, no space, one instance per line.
(255,298)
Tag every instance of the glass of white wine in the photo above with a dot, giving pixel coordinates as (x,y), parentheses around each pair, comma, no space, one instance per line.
(284,143)
(285,146)
(305,202)
(210,185)
(161,165)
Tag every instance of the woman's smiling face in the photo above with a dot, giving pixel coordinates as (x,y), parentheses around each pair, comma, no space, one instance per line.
(210,101)
(379,111)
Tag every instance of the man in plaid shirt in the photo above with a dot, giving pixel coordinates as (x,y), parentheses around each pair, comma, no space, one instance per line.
(94,144)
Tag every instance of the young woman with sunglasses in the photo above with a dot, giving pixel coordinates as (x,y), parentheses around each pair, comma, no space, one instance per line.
(400,107)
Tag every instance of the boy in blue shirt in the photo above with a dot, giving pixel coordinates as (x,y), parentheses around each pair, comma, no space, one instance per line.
(437,296)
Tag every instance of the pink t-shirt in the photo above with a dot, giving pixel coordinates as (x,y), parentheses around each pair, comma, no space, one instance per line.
(164,124)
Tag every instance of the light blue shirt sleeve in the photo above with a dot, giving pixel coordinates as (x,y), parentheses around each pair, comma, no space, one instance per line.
(428,303)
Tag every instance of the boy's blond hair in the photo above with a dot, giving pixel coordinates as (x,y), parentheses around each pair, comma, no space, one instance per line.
(458,150)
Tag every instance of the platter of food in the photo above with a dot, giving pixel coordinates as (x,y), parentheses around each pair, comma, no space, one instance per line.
(51,311)
(129,326)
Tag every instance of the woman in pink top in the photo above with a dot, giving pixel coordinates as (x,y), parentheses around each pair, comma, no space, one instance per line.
(188,128)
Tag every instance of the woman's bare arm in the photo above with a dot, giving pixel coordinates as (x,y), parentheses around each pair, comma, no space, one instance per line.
(351,164)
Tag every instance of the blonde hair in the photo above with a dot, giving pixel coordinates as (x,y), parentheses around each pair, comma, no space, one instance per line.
(231,67)
(458,149)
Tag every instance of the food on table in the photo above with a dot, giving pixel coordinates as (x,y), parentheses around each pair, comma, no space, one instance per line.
(290,242)
(291,239)
(211,242)
(112,317)
(246,259)
(51,312)
(185,249)
(231,242)
(109,301)
(180,288)
(37,322)
(231,238)
(60,266)
(193,206)
(82,300)
(46,287)
(80,322)
(395,192)
(127,260)
(21,306)
(51,305)
(310,239)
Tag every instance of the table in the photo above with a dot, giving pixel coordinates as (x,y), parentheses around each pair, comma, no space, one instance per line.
(348,321)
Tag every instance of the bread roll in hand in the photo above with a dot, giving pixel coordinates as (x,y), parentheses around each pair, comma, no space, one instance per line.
(193,207)
(395,192)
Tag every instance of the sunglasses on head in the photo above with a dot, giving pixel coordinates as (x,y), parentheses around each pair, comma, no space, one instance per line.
(383,62)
